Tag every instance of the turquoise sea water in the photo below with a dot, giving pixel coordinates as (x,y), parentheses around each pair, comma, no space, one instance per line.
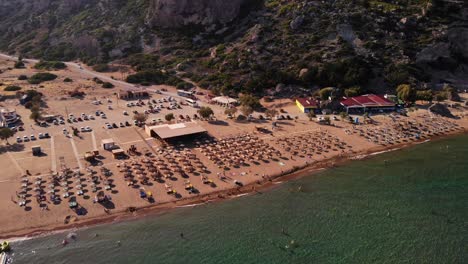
(408,206)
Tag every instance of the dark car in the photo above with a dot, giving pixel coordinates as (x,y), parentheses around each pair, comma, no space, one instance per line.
(114,125)
(127,123)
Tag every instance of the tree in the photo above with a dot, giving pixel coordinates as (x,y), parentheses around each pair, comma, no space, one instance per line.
(6,133)
(140,117)
(271,113)
(353,91)
(169,117)
(424,95)
(343,115)
(311,115)
(35,114)
(440,96)
(406,93)
(246,110)
(205,112)
(230,111)
(451,93)
(250,101)
(325,93)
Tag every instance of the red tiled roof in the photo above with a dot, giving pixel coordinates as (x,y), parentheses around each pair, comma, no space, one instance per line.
(368,100)
(307,102)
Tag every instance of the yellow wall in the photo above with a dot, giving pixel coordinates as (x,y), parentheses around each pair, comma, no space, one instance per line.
(301,107)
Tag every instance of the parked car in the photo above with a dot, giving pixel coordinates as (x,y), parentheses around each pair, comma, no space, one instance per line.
(108,126)
(88,129)
(25,138)
(18,140)
(121,124)
(46,135)
(33,137)
(40,136)
(114,125)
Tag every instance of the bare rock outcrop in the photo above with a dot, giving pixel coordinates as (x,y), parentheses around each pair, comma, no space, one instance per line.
(178,13)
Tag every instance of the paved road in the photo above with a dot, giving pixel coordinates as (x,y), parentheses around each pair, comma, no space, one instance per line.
(78,68)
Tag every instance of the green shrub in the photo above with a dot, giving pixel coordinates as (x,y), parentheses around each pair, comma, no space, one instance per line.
(41,77)
(107,85)
(50,65)
(12,88)
(19,65)
(102,67)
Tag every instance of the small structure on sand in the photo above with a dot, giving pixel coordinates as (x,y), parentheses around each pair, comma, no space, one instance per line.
(307,105)
(108,144)
(224,101)
(118,153)
(36,150)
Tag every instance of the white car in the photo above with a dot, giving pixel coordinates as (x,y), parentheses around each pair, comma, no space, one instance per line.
(109,126)
(88,129)
(40,136)
(91,117)
(33,137)
(103,115)
(82,129)
(109,107)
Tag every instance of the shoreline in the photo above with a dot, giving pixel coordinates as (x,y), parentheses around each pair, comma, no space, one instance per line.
(218,196)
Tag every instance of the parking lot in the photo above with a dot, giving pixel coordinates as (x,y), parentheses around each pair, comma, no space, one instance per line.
(110,119)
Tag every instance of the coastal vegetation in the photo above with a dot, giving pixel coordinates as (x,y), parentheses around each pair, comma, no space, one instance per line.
(50,65)
(41,77)
(12,88)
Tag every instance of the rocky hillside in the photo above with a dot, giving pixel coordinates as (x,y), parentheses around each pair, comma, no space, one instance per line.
(251,45)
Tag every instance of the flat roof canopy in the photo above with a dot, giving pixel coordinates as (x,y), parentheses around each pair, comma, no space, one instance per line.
(175,130)
(224,100)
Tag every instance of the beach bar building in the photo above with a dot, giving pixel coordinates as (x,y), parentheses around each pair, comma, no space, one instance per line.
(132,94)
(370,103)
(307,105)
(172,131)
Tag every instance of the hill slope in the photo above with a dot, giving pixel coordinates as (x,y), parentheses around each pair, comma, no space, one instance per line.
(250,45)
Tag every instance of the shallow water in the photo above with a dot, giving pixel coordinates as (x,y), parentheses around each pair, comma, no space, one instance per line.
(407,206)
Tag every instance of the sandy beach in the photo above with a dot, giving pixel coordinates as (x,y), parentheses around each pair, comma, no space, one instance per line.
(235,158)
